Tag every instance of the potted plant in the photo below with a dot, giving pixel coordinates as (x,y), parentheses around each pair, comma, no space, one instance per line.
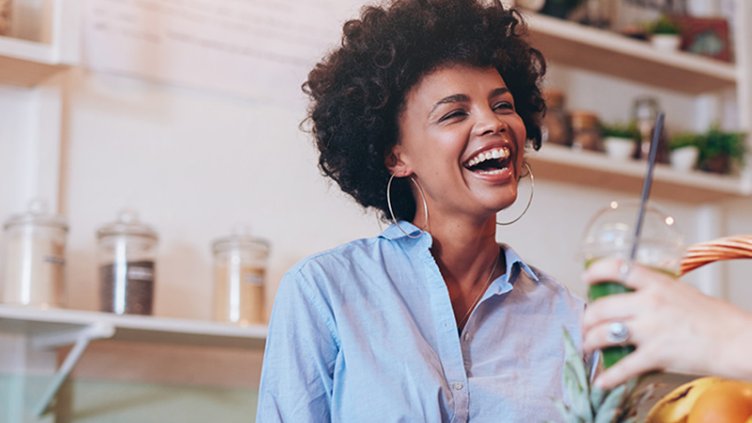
(664,34)
(685,150)
(719,150)
(620,139)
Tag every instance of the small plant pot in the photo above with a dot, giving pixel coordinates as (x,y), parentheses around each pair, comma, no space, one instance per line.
(665,42)
(619,148)
(717,164)
(684,158)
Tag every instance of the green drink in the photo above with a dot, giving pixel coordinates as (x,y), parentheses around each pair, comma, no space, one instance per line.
(610,234)
(610,354)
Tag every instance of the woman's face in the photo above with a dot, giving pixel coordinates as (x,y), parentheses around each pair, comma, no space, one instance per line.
(462,139)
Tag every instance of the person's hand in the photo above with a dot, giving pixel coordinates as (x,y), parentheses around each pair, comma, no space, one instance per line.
(672,325)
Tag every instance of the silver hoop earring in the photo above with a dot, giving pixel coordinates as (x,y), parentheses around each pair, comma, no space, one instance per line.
(529,200)
(391,212)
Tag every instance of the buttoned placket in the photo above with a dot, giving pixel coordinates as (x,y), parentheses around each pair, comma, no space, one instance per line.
(449,343)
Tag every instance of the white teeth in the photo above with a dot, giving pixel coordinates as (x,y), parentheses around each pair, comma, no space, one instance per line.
(493,172)
(496,153)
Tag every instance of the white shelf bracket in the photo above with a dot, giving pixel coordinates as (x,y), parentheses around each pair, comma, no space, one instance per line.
(80,339)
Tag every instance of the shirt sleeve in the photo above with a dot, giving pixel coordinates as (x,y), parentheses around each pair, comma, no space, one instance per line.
(301,349)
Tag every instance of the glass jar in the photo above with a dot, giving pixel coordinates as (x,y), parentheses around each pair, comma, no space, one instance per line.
(127,256)
(586,134)
(239,277)
(598,13)
(34,258)
(644,111)
(556,127)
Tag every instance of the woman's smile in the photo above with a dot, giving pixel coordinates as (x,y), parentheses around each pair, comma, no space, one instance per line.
(493,163)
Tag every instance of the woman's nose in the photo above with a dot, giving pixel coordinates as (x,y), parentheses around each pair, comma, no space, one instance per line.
(489,122)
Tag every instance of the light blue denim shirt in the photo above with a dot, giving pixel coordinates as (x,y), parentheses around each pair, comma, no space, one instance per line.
(366,333)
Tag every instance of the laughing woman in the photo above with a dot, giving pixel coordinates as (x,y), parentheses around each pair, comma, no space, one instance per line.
(423,113)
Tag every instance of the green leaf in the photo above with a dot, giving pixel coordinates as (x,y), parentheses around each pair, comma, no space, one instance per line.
(573,357)
(611,405)
(596,397)
(606,415)
(575,382)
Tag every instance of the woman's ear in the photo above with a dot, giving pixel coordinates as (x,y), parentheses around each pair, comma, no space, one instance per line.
(395,164)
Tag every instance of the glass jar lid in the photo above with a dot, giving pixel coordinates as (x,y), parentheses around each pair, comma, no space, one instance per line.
(127,224)
(240,239)
(611,233)
(37,215)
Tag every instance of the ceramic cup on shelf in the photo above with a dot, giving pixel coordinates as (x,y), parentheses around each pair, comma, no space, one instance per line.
(685,158)
(619,148)
(665,42)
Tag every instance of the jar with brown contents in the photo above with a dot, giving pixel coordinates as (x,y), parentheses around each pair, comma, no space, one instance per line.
(556,126)
(586,132)
(127,250)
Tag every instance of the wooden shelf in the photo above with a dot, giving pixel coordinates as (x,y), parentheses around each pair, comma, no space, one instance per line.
(33,321)
(26,63)
(606,52)
(596,170)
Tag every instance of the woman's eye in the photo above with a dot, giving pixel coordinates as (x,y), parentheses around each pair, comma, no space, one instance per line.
(453,114)
(503,105)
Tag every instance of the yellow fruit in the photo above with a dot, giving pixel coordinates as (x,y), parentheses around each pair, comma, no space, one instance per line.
(676,405)
(729,401)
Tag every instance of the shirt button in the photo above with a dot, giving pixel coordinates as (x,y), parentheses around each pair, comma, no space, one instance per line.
(457,386)
(466,336)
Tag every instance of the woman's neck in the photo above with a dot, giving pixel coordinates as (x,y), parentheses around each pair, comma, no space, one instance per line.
(468,257)
(464,250)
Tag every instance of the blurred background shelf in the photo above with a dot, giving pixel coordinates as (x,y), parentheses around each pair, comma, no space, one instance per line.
(596,170)
(592,49)
(33,322)
(27,63)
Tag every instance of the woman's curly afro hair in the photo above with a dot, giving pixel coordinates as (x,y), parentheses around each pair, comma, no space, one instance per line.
(357,92)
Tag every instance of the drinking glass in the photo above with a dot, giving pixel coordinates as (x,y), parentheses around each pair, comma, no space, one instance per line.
(611,234)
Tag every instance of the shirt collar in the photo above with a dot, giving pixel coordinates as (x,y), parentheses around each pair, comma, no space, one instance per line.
(401,229)
(512,259)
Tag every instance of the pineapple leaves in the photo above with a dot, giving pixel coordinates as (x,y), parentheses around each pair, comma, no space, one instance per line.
(584,403)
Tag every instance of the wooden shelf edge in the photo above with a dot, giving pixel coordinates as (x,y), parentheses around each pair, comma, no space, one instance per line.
(617,55)
(27,63)
(596,170)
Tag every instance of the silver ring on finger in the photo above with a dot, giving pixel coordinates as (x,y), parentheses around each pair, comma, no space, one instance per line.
(624,270)
(618,333)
